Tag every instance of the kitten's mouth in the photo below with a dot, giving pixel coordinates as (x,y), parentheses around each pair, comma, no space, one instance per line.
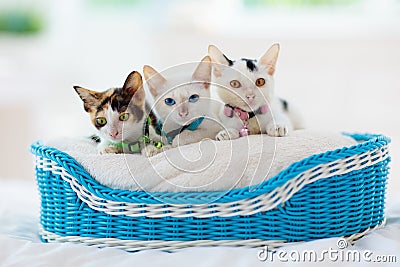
(116,138)
(246,106)
(186,121)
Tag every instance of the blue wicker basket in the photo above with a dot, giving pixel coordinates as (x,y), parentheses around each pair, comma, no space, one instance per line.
(337,193)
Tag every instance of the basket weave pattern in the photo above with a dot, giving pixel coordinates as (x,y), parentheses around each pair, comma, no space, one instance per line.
(337,193)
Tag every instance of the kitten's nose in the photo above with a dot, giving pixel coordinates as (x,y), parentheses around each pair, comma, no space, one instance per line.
(183,113)
(250,97)
(114,134)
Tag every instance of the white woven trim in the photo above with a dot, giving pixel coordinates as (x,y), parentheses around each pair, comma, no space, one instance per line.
(249,206)
(140,245)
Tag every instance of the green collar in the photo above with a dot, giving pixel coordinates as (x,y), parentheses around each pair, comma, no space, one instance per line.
(133,147)
(136,147)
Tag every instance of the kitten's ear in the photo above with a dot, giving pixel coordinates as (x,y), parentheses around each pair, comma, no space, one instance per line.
(203,72)
(132,83)
(154,79)
(133,88)
(218,58)
(270,57)
(139,97)
(88,97)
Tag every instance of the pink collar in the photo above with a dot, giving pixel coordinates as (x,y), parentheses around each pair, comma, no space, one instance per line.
(230,111)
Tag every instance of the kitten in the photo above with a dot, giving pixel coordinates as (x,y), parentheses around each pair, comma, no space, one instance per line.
(183,103)
(118,115)
(246,87)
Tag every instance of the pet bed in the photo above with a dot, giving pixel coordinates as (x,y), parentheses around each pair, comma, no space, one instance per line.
(339,192)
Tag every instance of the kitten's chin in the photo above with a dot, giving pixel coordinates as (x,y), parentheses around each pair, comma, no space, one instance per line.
(185,121)
(115,140)
(248,106)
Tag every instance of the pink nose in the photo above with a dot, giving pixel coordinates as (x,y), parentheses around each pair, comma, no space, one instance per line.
(114,134)
(183,114)
(250,97)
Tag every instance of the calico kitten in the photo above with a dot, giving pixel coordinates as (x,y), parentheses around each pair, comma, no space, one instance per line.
(118,114)
(246,86)
(183,103)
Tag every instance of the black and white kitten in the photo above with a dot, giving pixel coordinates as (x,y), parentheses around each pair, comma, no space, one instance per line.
(246,86)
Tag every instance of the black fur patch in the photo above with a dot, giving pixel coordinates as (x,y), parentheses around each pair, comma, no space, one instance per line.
(95,138)
(103,103)
(230,62)
(153,118)
(119,101)
(285,104)
(250,63)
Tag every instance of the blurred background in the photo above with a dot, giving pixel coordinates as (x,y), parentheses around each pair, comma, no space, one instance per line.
(339,61)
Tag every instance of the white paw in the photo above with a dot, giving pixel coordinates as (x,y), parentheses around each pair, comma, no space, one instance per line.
(176,142)
(227,134)
(166,147)
(110,150)
(150,150)
(277,129)
(184,138)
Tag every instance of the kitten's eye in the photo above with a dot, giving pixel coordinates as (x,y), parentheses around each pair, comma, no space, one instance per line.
(169,101)
(124,117)
(235,84)
(101,121)
(193,98)
(260,82)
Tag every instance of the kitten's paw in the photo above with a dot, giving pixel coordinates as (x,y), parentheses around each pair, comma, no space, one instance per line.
(150,151)
(227,134)
(277,129)
(176,142)
(166,147)
(184,138)
(110,150)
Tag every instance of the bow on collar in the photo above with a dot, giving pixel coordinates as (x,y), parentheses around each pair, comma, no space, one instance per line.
(231,111)
(171,135)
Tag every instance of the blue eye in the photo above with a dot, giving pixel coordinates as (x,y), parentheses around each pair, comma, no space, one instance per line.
(169,101)
(193,98)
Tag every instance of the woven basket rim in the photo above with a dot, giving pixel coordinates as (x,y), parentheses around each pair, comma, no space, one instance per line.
(370,142)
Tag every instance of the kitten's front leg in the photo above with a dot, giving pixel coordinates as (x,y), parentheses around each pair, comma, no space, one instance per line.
(150,150)
(190,137)
(106,147)
(279,126)
(110,150)
(277,130)
(184,138)
(227,134)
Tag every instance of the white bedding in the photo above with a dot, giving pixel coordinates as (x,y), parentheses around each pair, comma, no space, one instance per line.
(20,245)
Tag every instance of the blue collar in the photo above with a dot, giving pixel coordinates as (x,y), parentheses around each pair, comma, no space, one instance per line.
(171,135)
(194,124)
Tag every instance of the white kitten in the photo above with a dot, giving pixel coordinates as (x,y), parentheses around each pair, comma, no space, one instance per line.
(247,88)
(182,100)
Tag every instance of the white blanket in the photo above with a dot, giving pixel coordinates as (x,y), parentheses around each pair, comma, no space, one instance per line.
(205,166)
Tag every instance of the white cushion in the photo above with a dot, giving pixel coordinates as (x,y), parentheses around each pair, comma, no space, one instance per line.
(204,166)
